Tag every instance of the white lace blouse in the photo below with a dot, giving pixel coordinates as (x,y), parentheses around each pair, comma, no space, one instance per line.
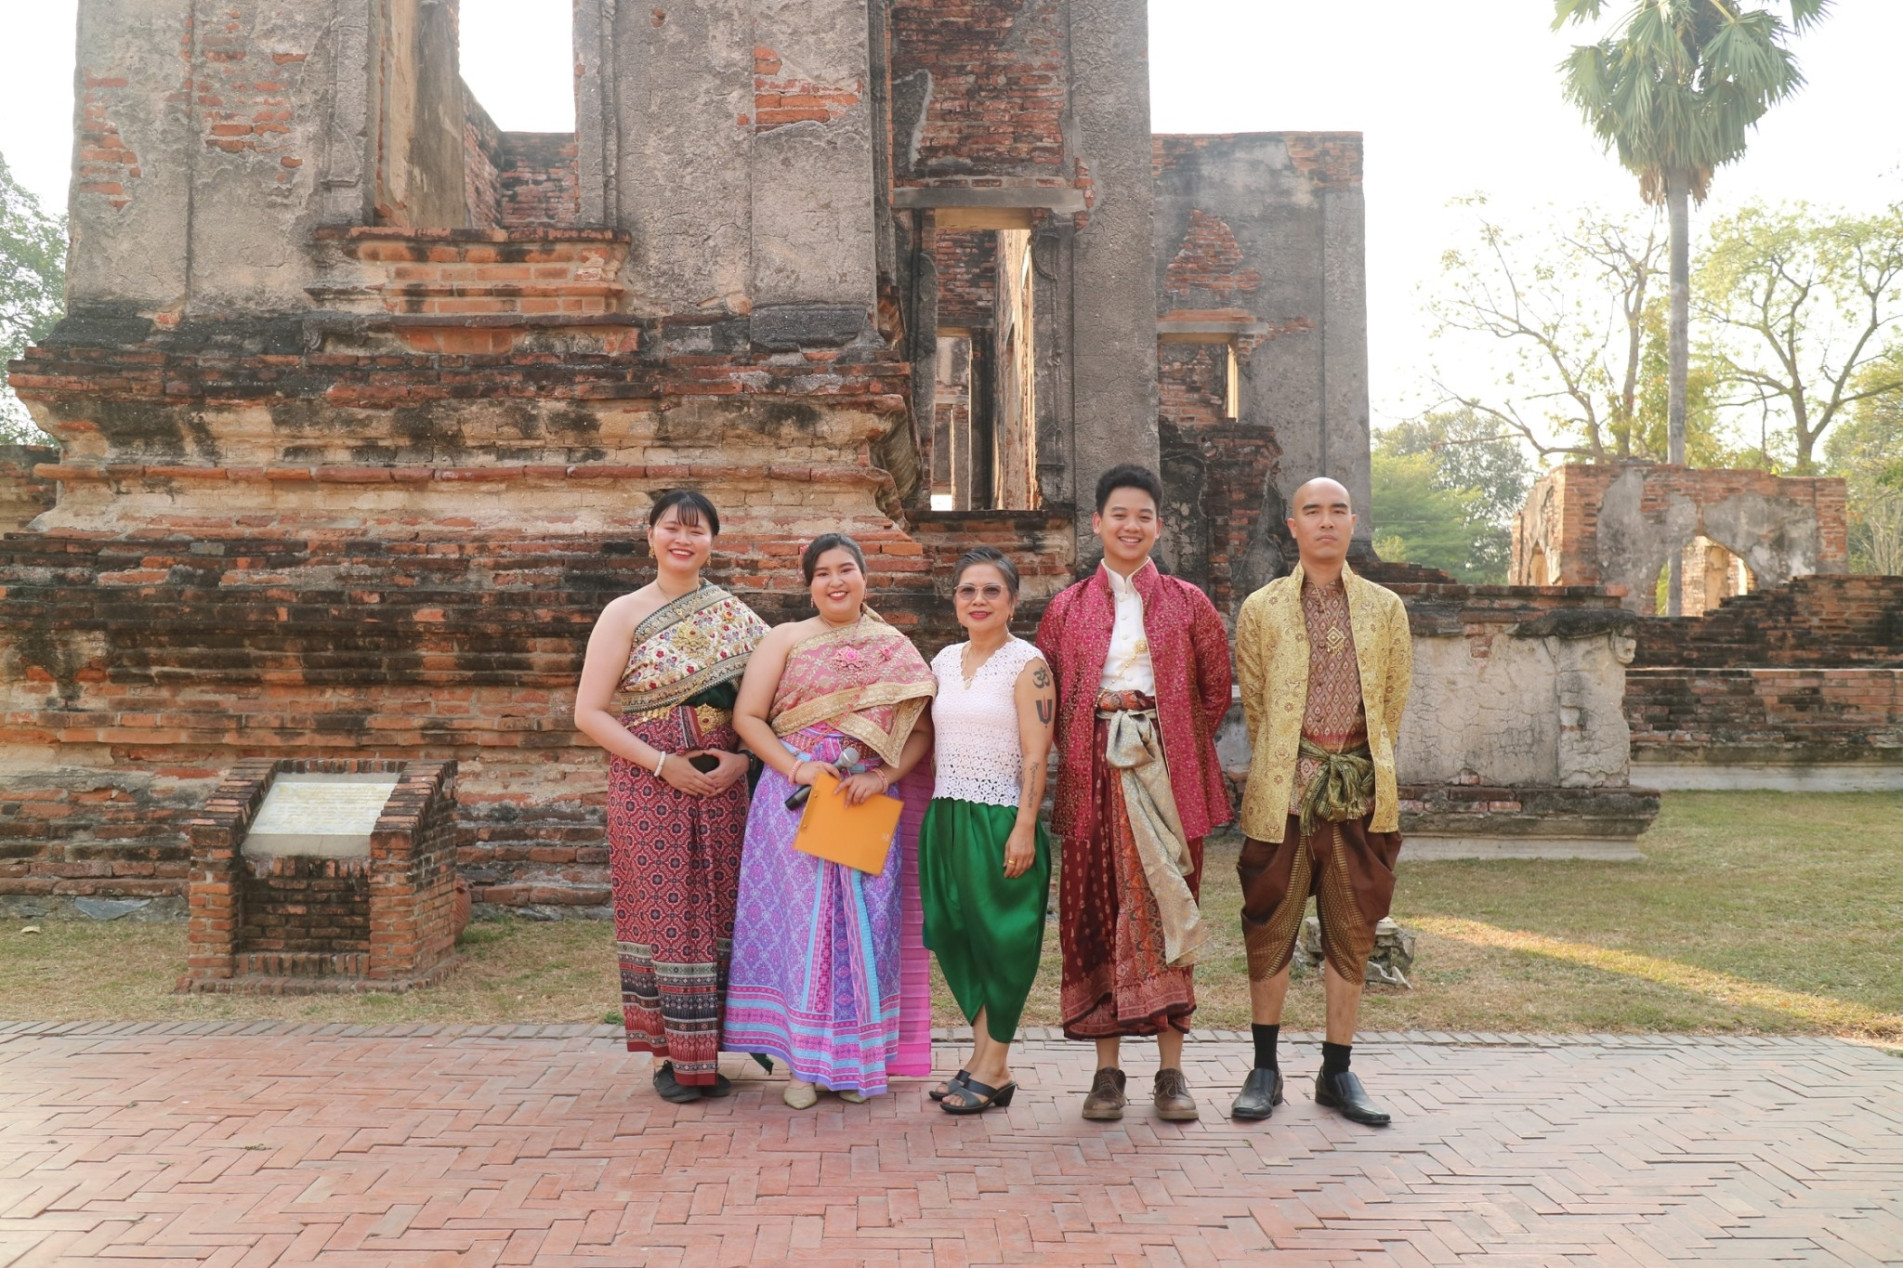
(976,753)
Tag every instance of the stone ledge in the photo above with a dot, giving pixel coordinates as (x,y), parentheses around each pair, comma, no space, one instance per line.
(1880,770)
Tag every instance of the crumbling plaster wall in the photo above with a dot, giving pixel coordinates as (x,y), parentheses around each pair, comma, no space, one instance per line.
(1538,703)
(734,140)
(1262,236)
(1618,524)
(210,143)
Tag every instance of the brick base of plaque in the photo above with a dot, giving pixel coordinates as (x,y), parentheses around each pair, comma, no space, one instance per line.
(349,887)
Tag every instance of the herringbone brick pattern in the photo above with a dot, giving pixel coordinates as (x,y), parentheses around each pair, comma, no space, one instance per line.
(276,1144)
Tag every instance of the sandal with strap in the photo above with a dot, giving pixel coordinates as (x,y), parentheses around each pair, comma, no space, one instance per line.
(973,1097)
(943,1090)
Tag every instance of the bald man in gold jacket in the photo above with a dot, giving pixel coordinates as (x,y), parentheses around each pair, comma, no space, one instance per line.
(1324,659)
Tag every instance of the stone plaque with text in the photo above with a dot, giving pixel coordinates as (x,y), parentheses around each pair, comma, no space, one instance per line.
(319,816)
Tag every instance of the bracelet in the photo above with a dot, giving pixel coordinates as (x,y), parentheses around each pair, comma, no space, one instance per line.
(887,779)
(659,764)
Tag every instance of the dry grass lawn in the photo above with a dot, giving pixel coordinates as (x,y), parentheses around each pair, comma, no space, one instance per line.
(1754,913)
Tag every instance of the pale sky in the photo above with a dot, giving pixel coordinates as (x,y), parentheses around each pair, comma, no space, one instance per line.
(1450,106)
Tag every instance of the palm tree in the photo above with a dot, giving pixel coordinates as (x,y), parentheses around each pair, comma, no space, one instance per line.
(1675,90)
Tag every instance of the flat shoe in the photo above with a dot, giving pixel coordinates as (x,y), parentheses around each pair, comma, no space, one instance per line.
(938,1093)
(1261,1093)
(671,1088)
(1174,1104)
(1106,1100)
(851,1097)
(973,1097)
(722,1086)
(1344,1094)
(800,1095)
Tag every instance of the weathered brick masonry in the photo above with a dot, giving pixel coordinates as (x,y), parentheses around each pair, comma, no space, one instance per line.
(361,400)
(385,921)
(1805,675)
(980,92)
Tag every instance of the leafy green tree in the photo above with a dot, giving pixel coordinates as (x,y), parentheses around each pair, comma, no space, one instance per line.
(32,287)
(1806,315)
(1675,92)
(1571,329)
(1866,449)
(1489,471)
(1418,521)
(1705,436)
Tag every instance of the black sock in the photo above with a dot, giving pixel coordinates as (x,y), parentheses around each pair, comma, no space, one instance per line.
(1335,1057)
(1265,1037)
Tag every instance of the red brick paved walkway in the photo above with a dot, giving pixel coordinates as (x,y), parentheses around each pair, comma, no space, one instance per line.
(271,1144)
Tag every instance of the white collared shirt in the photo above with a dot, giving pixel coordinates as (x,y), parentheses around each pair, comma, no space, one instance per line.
(1127,666)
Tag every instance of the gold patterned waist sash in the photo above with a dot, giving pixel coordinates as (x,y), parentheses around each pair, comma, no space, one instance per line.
(706,716)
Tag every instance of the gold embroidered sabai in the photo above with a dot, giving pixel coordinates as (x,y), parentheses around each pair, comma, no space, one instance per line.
(864,679)
(700,640)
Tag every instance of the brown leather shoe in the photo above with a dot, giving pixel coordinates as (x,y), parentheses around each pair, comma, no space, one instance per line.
(1105,1102)
(1174,1104)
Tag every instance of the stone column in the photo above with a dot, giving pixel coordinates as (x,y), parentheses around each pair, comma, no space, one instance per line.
(133,153)
(1113,272)
(1344,334)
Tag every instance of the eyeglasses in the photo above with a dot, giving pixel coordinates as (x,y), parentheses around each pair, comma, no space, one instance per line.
(990,593)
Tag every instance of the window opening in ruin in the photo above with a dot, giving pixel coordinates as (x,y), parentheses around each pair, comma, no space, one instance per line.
(984,419)
(519,153)
(951,418)
(1536,569)
(1712,575)
(519,62)
(1232,386)
(1014,411)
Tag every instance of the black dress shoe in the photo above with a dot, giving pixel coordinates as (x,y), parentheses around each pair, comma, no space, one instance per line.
(671,1088)
(1344,1092)
(1261,1093)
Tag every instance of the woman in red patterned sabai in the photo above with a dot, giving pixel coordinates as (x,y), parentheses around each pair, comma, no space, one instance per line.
(674,651)
(1142,668)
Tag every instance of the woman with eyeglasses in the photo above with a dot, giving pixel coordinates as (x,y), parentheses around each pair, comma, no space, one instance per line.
(984,860)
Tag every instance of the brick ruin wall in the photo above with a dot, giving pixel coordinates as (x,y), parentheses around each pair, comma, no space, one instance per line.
(980,92)
(518,180)
(1617,524)
(1215,469)
(1808,672)
(1802,669)
(154,664)
(967,265)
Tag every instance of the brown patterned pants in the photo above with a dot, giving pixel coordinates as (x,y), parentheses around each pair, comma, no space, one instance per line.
(1350,872)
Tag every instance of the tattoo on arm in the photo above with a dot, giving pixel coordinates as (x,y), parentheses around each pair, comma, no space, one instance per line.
(1040,677)
(1044,710)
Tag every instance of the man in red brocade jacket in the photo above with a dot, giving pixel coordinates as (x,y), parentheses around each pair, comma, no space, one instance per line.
(1142,665)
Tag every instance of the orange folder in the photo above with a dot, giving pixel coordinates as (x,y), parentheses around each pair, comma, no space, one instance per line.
(858,837)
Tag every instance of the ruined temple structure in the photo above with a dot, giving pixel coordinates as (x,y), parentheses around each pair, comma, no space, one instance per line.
(360,401)
(1783,672)
(1619,524)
